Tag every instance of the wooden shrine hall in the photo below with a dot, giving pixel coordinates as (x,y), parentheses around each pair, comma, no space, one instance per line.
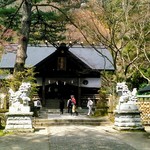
(64,71)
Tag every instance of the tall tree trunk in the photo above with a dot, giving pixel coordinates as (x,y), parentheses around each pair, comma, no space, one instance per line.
(24,36)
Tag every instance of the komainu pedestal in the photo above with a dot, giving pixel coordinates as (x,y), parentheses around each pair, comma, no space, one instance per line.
(127,117)
(127,114)
(19,122)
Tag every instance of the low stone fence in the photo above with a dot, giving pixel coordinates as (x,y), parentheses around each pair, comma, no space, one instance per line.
(144,106)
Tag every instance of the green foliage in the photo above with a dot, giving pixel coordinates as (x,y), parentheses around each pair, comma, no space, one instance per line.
(3,74)
(7,12)
(37,1)
(51,26)
(128,25)
(1,132)
(46,24)
(4,3)
(103,99)
(25,76)
(2,118)
(101,105)
(14,82)
(8,18)
(136,81)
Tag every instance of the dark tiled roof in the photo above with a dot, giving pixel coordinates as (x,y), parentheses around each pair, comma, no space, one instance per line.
(100,59)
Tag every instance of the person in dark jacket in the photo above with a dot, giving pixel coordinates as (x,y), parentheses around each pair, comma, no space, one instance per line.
(61,105)
(69,106)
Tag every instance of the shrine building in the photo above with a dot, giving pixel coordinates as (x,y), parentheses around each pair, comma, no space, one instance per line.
(64,70)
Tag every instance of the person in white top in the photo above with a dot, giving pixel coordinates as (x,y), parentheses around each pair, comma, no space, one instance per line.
(37,106)
(90,106)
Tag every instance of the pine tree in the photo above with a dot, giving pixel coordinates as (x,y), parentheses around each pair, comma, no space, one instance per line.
(35,21)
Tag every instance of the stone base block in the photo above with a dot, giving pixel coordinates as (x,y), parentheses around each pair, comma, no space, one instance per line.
(19,130)
(19,122)
(128,120)
(129,128)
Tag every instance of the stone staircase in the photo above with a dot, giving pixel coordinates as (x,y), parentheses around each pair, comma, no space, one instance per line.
(55,119)
(54,122)
(57,111)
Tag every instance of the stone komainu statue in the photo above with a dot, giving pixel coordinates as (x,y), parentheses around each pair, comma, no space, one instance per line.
(20,96)
(126,94)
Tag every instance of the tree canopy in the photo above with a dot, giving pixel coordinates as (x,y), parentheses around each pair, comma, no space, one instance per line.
(122,26)
(35,22)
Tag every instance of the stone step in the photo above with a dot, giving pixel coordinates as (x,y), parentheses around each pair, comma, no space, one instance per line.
(50,117)
(57,111)
(70,120)
(65,123)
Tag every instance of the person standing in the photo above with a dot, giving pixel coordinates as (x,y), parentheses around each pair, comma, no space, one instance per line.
(61,105)
(35,112)
(73,100)
(90,106)
(69,106)
(39,106)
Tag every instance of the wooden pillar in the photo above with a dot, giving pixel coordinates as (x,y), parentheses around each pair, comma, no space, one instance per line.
(79,93)
(43,92)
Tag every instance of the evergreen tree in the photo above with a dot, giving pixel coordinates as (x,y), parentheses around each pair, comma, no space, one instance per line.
(35,21)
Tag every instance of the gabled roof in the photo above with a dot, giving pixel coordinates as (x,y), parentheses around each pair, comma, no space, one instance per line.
(34,56)
(100,58)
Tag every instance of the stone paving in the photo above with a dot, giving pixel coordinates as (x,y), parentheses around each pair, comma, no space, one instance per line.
(84,138)
(75,137)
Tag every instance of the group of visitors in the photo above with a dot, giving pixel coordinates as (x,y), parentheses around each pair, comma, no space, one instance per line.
(71,106)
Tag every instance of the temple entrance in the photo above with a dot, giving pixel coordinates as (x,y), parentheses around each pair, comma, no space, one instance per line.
(54,92)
